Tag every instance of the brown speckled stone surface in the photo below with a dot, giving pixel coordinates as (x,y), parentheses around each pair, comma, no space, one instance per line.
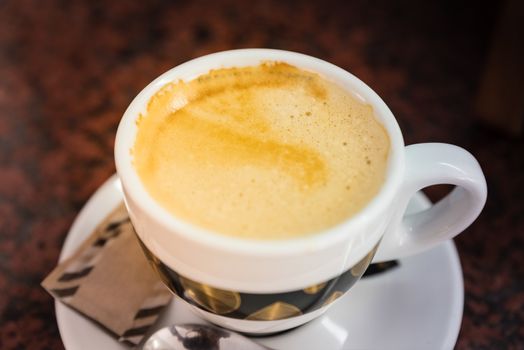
(68,69)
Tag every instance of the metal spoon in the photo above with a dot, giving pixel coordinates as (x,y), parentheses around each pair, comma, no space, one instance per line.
(199,337)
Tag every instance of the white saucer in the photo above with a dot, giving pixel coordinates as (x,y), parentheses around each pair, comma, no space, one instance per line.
(418,305)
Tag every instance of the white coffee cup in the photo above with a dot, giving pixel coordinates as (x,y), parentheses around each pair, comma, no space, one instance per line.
(274,285)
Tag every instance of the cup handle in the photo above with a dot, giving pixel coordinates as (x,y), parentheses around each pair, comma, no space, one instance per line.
(431,164)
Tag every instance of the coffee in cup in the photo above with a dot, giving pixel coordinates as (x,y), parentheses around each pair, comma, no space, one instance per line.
(269,151)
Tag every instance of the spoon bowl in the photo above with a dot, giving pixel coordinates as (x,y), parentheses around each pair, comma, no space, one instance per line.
(199,337)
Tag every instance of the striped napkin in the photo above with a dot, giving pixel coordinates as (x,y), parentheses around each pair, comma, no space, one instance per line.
(109,280)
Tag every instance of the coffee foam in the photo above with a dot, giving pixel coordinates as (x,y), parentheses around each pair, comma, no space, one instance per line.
(265,152)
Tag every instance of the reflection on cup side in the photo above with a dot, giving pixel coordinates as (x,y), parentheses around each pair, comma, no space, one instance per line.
(263,306)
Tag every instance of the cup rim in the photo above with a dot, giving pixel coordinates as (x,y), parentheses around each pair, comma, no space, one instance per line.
(189,70)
